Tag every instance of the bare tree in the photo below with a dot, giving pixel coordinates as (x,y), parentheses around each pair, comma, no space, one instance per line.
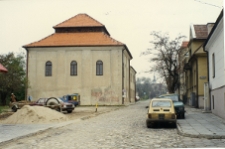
(164,54)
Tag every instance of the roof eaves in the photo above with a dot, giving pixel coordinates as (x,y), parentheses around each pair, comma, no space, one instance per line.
(192,31)
(213,29)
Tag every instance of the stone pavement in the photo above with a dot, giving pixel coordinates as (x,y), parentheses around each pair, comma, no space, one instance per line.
(10,132)
(198,124)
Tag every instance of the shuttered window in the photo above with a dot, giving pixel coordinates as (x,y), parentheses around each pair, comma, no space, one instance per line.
(99,68)
(48,68)
(73,68)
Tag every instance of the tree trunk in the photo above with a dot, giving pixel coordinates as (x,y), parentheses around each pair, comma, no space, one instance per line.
(3,99)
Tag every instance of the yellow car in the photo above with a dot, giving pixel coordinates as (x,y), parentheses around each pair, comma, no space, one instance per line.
(161,110)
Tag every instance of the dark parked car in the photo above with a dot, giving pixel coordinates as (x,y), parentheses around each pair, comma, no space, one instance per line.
(178,105)
(54,103)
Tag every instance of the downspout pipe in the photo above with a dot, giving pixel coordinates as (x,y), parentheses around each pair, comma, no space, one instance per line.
(196,79)
(129,83)
(27,73)
(122,76)
(207,53)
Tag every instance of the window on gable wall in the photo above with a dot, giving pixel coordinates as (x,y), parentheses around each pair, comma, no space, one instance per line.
(48,68)
(73,68)
(213,65)
(99,68)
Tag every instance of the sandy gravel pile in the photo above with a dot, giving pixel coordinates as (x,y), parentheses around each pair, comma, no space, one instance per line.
(35,114)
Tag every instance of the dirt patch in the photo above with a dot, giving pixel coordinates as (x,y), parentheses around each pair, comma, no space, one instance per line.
(37,114)
(5,115)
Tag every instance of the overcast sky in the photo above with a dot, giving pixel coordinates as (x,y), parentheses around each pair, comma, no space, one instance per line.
(128,21)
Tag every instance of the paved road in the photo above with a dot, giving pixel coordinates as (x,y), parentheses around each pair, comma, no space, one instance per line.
(123,128)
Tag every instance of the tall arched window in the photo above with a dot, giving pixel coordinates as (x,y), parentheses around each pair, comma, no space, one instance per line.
(73,68)
(99,68)
(48,68)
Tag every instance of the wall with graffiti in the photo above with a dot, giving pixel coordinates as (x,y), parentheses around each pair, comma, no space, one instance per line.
(106,96)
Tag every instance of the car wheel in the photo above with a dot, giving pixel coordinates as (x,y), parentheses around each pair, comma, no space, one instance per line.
(58,109)
(183,116)
(14,109)
(52,101)
(148,125)
(174,125)
(69,111)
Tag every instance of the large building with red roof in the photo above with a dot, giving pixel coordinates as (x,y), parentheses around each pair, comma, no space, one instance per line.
(81,57)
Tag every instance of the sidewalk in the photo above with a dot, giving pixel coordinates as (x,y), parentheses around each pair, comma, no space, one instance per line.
(201,125)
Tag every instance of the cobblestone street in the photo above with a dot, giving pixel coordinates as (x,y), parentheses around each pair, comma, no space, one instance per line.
(122,128)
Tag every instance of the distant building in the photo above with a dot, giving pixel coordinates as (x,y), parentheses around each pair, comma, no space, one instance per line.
(183,59)
(81,57)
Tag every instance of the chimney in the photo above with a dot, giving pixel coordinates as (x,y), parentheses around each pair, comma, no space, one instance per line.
(209,27)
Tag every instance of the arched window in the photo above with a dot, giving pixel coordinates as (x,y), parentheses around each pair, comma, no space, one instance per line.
(48,68)
(73,68)
(99,68)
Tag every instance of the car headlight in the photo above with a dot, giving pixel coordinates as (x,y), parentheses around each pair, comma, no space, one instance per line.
(64,106)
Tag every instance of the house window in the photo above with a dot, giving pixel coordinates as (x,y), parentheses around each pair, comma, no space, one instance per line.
(213,65)
(73,68)
(48,68)
(99,68)
(213,101)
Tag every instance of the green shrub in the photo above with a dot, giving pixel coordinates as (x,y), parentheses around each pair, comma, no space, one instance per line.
(3,108)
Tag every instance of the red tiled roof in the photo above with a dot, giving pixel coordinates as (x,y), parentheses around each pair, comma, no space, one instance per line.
(201,31)
(3,69)
(184,44)
(80,20)
(76,39)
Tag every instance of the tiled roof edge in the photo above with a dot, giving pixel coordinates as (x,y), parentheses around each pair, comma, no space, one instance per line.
(27,45)
(77,15)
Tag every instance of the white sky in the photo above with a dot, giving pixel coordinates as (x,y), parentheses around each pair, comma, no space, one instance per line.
(128,21)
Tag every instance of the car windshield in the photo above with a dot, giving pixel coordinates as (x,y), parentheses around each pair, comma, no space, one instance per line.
(161,104)
(174,98)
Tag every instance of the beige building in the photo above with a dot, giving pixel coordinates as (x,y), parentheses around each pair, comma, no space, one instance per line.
(196,67)
(132,84)
(80,57)
(183,59)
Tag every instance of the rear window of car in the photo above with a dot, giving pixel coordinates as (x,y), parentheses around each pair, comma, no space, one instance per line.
(172,97)
(161,104)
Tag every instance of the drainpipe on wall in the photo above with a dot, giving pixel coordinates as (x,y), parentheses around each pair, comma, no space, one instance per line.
(209,98)
(197,79)
(122,77)
(129,83)
(27,73)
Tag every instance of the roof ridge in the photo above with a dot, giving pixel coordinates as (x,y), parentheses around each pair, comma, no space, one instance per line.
(84,14)
(93,19)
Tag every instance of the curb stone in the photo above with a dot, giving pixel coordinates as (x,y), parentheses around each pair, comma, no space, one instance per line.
(180,132)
